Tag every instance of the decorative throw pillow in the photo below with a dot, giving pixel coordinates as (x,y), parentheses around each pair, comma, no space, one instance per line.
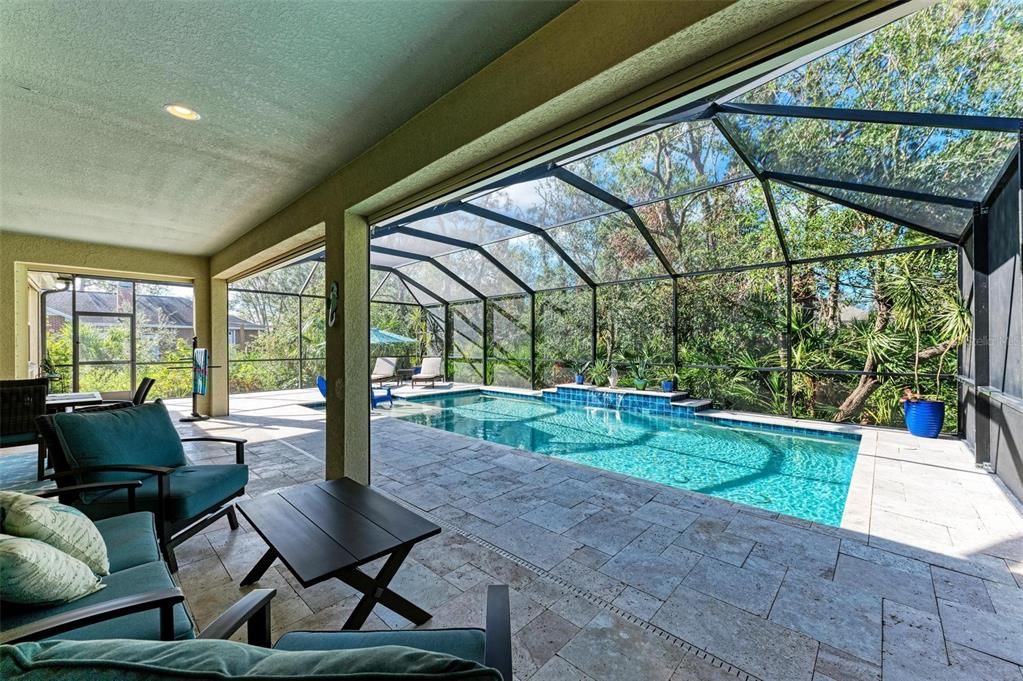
(60,526)
(35,573)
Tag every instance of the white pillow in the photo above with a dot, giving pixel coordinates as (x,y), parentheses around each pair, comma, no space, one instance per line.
(62,527)
(35,573)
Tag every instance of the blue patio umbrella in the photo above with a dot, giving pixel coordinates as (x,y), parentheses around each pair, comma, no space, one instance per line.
(380,337)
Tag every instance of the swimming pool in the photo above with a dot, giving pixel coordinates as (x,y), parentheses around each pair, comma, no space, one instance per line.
(801,475)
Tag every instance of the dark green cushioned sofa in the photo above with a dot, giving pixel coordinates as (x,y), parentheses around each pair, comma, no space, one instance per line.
(136,567)
(39,654)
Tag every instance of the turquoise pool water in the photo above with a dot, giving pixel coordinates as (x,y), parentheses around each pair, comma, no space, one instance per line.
(803,476)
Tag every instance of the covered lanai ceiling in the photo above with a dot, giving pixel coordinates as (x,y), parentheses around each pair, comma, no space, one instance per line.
(895,155)
(287,91)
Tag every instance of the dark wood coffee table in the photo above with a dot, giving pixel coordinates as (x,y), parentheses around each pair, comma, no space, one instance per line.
(325,530)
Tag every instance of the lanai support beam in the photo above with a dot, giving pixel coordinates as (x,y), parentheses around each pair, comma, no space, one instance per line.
(610,199)
(927,120)
(425,258)
(469,246)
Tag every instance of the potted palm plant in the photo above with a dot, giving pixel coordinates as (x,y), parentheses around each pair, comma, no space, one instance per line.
(922,307)
(641,371)
(668,378)
(580,371)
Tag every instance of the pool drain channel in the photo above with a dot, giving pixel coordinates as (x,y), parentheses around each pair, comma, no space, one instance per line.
(686,646)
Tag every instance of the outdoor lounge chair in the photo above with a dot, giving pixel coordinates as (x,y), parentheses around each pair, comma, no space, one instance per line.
(21,402)
(140,443)
(430,371)
(385,369)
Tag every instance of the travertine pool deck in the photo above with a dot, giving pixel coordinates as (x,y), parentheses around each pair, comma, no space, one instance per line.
(616,578)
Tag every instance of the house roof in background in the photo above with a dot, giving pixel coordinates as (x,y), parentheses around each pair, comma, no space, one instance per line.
(176,311)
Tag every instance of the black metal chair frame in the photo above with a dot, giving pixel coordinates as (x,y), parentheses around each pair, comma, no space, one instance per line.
(139,397)
(70,482)
(21,402)
(253,610)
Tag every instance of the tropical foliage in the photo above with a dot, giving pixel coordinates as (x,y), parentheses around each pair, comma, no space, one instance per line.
(285,348)
(787,295)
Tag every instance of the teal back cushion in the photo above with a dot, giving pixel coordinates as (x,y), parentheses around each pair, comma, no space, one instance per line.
(148,660)
(142,435)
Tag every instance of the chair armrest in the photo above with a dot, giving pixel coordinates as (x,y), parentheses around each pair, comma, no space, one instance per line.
(252,609)
(130,485)
(148,470)
(497,647)
(239,443)
(162,485)
(164,599)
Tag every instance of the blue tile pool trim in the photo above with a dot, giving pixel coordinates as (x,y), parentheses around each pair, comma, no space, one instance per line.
(655,404)
(643,404)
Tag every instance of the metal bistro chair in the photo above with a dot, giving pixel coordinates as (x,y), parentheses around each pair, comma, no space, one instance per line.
(21,401)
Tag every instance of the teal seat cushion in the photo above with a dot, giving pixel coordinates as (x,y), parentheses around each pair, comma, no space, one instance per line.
(202,659)
(142,435)
(131,582)
(193,490)
(130,539)
(467,644)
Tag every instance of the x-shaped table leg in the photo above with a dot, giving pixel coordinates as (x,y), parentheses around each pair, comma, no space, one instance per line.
(374,590)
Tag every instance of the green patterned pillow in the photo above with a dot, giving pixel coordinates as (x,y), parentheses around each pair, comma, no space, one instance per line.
(60,526)
(35,573)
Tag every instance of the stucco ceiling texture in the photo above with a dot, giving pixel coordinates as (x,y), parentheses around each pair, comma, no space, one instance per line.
(288,92)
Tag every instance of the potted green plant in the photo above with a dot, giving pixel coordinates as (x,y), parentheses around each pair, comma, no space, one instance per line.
(599,372)
(923,307)
(668,378)
(641,370)
(580,371)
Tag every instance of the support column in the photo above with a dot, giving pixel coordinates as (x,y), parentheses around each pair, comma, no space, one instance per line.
(788,341)
(532,341)
(15,335)
(486,341)
(347,415)
(218,399)
(981,332)
(674,324)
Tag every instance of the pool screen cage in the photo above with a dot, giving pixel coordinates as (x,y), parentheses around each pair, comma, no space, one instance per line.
(793,246)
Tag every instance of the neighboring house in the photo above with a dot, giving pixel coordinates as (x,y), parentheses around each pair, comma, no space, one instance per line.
(152,311)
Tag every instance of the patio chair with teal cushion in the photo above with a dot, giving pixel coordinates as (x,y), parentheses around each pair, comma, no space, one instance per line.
(140,443)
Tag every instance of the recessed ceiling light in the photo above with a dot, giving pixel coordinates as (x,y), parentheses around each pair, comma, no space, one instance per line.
(182,112)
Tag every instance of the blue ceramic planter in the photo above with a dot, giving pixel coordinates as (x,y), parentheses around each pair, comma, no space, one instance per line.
(579,379)
(667,386)
(924,418)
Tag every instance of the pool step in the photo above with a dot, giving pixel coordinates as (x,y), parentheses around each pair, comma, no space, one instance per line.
(694,404)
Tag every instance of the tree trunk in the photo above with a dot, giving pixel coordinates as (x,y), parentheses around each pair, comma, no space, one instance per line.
(868,384)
